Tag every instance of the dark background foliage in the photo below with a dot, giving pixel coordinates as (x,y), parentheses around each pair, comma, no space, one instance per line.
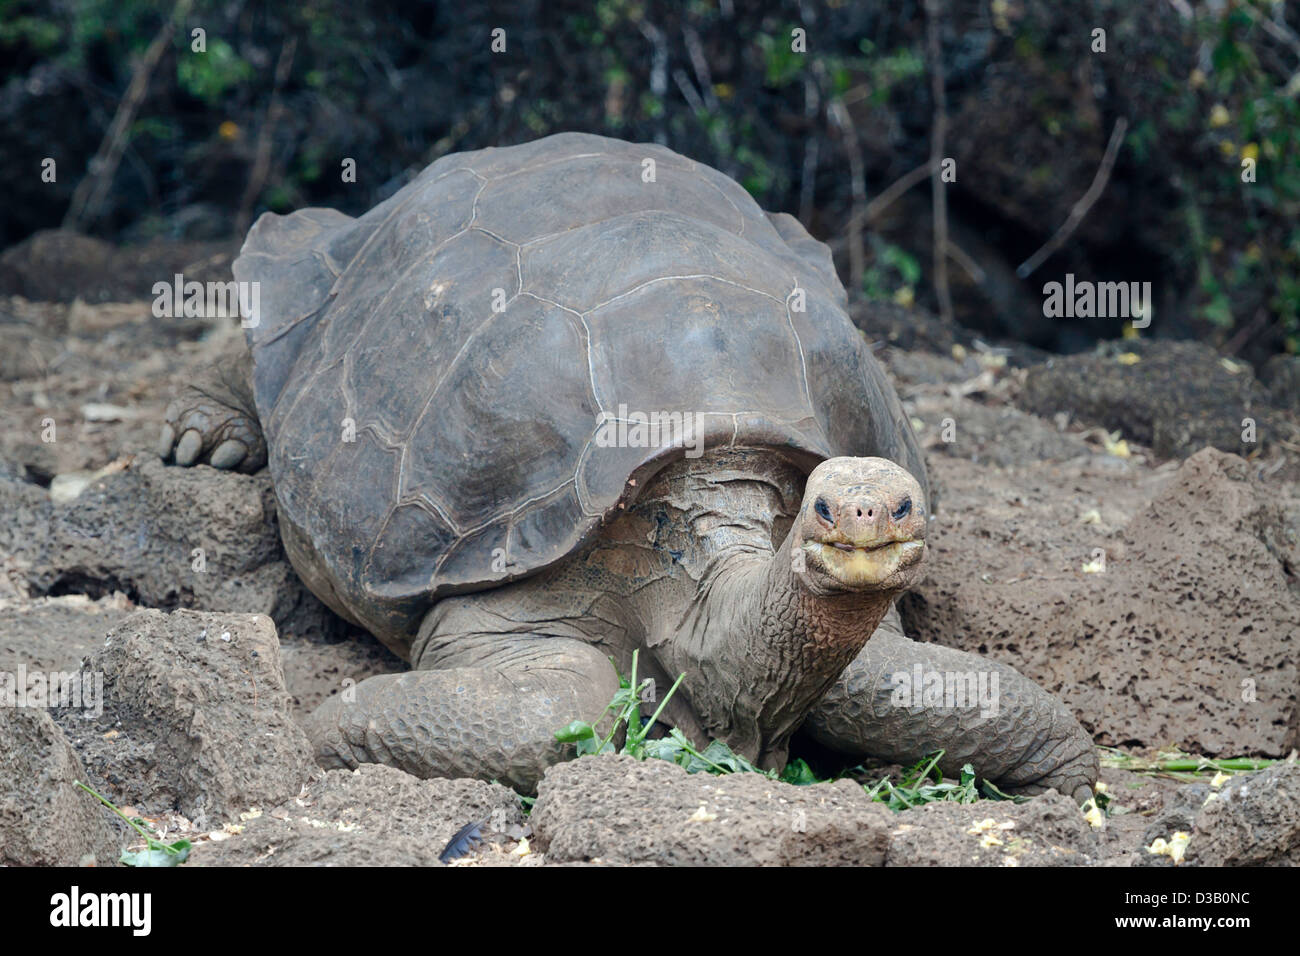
(1030,109)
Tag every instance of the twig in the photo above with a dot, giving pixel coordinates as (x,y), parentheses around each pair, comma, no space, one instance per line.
(1081,208)
(720,133)
(262,158)
(839,115)
(938,191)
(658,73)
(811,105)
(890,194)
(89,195)
(454,135)
(855,94)
(1246,332)
(960,257)
(695,52)
(1278,31)
(132,156)
(689,93)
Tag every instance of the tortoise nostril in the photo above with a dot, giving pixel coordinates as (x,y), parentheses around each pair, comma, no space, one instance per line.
(859,512)
(904,510)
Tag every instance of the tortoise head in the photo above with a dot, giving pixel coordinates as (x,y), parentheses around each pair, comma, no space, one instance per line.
(861,527)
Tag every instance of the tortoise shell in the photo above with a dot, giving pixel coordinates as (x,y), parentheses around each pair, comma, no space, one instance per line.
(436,379)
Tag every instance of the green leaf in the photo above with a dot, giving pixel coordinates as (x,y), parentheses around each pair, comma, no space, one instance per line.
(720,755)
(158,854)
(594,745)
(991,791)
(907,265)
(665,748)
(623,697)
(574,732)
(1218,311)
(798,772)
(207,76)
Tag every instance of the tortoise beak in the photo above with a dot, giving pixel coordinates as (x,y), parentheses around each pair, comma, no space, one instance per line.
(862,567)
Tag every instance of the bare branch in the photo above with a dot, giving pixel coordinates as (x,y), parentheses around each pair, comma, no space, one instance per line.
(938,192)
(695,51)
(889,195)
(839,115)
(1081,208)
(689,93)
(658,73)
(1247,332)
(1278,31)
(807,181)
(262,157)
(89,195)
(973,268)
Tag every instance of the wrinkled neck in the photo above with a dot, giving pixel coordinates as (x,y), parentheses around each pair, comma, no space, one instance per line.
(766,649)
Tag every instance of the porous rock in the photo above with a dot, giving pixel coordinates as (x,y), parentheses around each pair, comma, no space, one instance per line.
(618,810)
(44,819)
(372,816)
(195,716)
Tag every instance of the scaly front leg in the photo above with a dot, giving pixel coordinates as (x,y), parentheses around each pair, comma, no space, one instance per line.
(900,700)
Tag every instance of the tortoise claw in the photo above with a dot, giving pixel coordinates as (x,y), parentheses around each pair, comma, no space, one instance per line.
(228,454)
(188,448)
(166,440)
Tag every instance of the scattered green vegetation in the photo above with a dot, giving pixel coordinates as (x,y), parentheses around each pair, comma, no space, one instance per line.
(1236,121)
(209,77)
(1179,765)
(625,708)
(883,71)
(893,274)
(781,64)
(1215,93)
(921,784)
(18,28)
(155,853)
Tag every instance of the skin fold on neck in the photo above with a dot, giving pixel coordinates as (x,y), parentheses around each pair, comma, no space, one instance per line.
(725,605)
(766,649)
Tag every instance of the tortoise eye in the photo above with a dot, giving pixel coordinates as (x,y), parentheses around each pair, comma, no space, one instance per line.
(822,510)
(904,510)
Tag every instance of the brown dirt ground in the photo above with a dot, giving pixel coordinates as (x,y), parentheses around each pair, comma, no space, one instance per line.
(1199,592)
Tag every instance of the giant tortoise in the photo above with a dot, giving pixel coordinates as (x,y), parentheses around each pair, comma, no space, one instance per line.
(555,403)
